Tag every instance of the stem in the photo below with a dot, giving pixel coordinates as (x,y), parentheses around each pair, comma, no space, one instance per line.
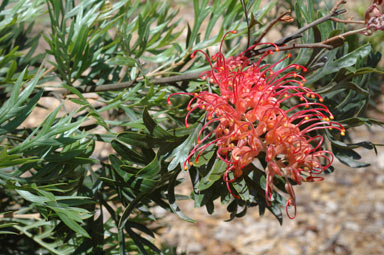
(300,46)
(338,4)
(246,18)
(298,33)
(269,27)
(342,36)
(124,85)
(310,25)
(348,21)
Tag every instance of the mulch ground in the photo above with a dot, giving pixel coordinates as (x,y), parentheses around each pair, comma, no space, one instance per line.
(342,215)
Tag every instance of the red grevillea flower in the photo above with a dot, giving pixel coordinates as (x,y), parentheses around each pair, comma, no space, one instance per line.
(251,115)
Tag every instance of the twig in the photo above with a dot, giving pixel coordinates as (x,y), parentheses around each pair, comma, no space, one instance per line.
(347,21)
(247,20)
(338,4)
(11,215)
(305,46)
(269,27)
(48,71)
(124,85)
(157,72)
(297,34)
(342,36)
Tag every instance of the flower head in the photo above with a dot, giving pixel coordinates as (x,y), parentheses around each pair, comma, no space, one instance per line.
(253,115)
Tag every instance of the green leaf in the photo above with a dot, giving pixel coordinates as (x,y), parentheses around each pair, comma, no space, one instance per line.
(72,224)
(213,175)
(151,170)
(126,153)
(345,61)
(348,157)
(21,114)
(122,61)
(201,11)
(260,13)
(153,127)
(83,101)
(135,139)
(13,108)
(242,189)
(358,121)
(31,197)
(172,199)
(276,211)
(7,160)
(181,152)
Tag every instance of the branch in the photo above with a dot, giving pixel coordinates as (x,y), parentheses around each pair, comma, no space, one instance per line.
(327,44)
(247,20)
(337,5)
(124,85)
(360,22)
(334,12)
(12,215)
(305,46)
(269,27)
(331,40)
(298,33)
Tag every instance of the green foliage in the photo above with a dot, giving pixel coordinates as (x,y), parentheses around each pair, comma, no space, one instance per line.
(59,194)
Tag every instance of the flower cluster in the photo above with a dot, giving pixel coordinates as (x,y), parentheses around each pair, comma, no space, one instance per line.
(251,117)
(374,17)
